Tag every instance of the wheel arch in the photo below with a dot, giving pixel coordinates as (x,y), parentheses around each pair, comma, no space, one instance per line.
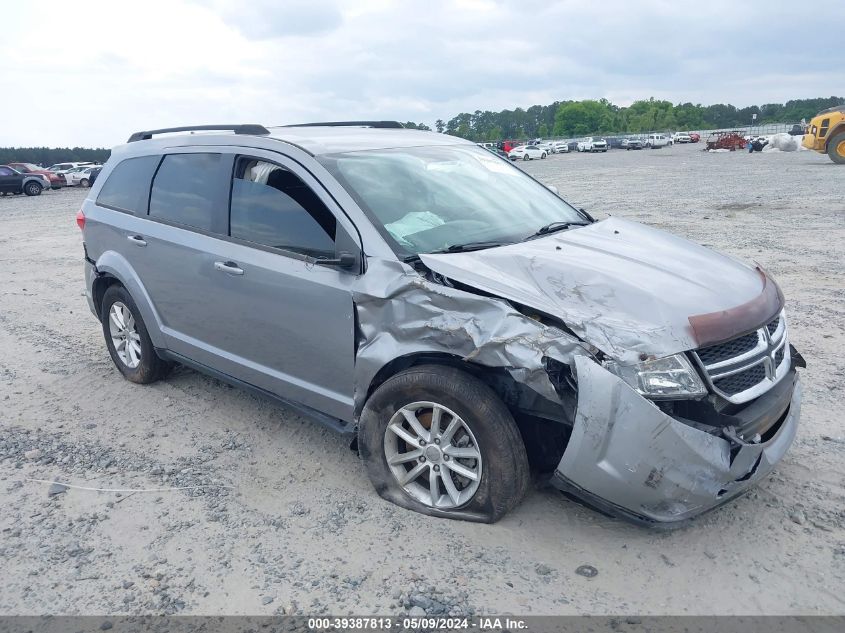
(545,426)
(114,268)
(839,129)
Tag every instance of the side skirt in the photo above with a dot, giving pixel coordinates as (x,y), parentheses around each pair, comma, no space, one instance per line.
(333,423)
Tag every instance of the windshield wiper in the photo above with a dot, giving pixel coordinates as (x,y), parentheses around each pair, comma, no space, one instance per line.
(470,246)
(552,227)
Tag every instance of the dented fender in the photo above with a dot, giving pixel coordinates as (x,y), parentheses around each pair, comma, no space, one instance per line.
(399,313)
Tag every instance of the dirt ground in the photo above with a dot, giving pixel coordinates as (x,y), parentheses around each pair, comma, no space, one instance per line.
(286,520)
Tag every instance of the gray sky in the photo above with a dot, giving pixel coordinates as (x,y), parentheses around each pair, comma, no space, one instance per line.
(90,74)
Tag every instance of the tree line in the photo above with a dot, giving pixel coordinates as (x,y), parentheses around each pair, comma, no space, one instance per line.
(47,156)
(561,118)
(581,118)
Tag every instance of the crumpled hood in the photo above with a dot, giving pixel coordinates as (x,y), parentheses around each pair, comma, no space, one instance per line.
(623,287)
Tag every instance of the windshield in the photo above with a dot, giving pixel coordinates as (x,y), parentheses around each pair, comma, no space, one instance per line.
(426,199)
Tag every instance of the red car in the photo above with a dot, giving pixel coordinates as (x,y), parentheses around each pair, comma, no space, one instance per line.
(694,137)
(57,181)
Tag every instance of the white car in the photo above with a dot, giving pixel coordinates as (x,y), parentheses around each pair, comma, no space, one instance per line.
(561,147)
(681,137)
(546,147)
(591,144)
(63,168)
(79,175)
(526,152)
(656,141)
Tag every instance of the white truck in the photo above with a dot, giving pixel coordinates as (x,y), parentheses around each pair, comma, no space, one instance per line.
(591,144)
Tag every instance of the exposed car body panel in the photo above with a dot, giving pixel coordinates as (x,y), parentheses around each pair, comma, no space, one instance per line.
(624,287)
(627,452)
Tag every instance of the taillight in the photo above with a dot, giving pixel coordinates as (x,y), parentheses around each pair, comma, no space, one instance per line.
(80,219)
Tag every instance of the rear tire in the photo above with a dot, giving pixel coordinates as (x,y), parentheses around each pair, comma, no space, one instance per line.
(485,427)
(84,183)
(836,149)
(32,188)
(127,340)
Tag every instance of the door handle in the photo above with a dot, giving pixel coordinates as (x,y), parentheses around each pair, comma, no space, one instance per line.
(137,240)
(228,267)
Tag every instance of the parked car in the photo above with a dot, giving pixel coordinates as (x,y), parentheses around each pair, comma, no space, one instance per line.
(681,137)
(463,322)
(95,171)
(62,168)
(14,182)
(694,137)
(656,141)
(543,145)
(632,143)
(80,176)
(797,130)
(591,144)
(526,152)
(561,147)
(57,181)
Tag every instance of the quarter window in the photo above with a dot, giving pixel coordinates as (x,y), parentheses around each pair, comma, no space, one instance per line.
(128,186)
(184,189)
(272,206)
(5,171)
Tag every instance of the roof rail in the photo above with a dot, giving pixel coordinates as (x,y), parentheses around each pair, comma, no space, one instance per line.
(247,128)
(392,125)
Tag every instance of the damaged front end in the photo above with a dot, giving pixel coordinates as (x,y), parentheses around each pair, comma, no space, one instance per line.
(628,457)
(706,414)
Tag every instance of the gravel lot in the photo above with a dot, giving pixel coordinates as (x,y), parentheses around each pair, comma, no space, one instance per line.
(287,520)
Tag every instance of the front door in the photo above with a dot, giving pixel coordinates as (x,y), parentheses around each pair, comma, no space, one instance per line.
(244,296)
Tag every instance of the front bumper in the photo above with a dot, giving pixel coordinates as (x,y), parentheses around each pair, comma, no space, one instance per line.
(628,458)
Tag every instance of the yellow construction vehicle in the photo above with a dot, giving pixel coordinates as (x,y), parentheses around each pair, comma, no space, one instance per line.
(826,133)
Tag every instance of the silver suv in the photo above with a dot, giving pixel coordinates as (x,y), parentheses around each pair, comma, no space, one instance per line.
(465,323)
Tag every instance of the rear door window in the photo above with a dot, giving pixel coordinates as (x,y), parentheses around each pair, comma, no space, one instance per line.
(185,189)
(273,207)
(128,186)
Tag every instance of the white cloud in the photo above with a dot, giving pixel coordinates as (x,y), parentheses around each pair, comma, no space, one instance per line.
(92,77)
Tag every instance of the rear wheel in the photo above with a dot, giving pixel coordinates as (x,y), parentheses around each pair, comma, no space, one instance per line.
(32,188)
(439,441)
(836,149)
(127,339)
(84,183)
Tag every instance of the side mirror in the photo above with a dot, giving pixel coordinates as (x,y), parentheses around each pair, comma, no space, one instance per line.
(346,261)
(553,189)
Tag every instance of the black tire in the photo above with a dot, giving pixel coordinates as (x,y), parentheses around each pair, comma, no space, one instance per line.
(834,147)
(151,368)
(525,157)
(84,183)
(32,188)
(543,155)
(505,475)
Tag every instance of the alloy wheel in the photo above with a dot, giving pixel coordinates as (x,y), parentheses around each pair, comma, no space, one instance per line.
(433,455)
(124,335)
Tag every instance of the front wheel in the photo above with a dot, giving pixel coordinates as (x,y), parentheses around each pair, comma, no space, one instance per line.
(437,440)
(836,149)
(84,183)
(543,155)
(32,188)
(525,157)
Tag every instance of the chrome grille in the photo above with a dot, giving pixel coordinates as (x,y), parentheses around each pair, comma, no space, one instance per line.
(744,368)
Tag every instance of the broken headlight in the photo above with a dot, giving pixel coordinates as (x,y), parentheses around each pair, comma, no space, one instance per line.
(669,377)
